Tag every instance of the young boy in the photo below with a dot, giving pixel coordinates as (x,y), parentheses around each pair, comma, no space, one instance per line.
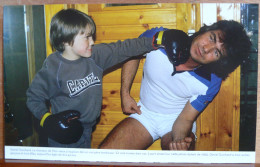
(70,81)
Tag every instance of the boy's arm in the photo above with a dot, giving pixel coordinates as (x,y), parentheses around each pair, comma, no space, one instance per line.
(129,70)
(37,94)
(108,55)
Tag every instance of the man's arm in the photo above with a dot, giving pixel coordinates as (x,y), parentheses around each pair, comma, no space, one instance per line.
(129,70)
(181,130)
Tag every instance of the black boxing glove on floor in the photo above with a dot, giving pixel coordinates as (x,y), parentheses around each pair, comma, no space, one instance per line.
(176,44)
(63,127)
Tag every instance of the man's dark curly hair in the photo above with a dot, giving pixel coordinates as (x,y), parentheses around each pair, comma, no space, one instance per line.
(236,43)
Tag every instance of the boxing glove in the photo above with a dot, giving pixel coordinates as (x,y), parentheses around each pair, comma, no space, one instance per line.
(176,44)
(63,127)
(150,34)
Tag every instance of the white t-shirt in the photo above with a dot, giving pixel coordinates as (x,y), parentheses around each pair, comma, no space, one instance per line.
(163,93)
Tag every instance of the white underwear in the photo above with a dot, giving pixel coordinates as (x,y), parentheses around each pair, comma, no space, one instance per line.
(157,124)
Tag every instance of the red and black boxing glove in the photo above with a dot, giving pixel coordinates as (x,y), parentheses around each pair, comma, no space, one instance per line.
(63,127)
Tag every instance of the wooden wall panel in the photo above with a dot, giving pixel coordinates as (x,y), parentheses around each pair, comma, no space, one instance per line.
(115,76)
(50,11)
(134,17)
(206,129)
(111,90)
(111,117)
(80,7)
(186,17)
(224,125)
(114,33)
(236,110)
(119,23)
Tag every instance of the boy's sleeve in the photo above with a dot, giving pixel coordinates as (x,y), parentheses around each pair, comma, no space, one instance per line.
(108,55)
(200,102)
(37,93)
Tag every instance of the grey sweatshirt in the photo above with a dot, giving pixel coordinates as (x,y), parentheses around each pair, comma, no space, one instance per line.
(77,85)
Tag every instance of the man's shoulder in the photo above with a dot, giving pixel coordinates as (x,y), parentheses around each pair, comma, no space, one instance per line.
(203,72)
(205,76)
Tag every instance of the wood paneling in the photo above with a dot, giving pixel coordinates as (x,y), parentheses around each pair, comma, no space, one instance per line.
(50,11)
(115,32)
(187,16)
(134,17)
(206,131)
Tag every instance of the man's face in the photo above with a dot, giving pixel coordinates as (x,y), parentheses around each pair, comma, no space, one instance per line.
(208,47)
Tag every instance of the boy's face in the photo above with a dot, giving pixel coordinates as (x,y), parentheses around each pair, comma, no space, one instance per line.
(82,45)
(208,47)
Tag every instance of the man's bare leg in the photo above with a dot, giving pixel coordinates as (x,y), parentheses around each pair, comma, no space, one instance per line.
(128,134)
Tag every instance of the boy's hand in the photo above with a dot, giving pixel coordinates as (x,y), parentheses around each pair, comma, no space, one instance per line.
(63,127)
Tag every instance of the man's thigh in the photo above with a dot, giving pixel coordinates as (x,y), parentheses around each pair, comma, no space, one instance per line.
(128,134)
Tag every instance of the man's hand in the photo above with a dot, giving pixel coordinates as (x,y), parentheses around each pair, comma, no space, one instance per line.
(182,144)
(129,105)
